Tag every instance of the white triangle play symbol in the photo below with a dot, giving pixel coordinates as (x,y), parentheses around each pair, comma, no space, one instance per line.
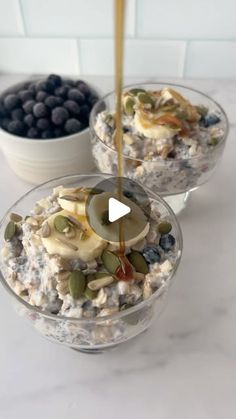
(116,210)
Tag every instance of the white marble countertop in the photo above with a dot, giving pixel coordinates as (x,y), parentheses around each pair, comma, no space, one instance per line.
(184,367)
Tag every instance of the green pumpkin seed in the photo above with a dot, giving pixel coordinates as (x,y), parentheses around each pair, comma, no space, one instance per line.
(97,284)
(10,231)
(105,218)
(77,283)
(202,110)
(164,227)
(136,91)
(90,294)
(145,98)
(110,261)
(15,217)
(129,106)
(138,262)
(61,224)
(213,141)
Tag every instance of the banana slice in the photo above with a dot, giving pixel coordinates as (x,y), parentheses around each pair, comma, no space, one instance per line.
(73,200)
(85,248)
(135,224)
(152,130)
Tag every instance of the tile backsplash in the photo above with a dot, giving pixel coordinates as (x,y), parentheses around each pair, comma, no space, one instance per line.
(169,38)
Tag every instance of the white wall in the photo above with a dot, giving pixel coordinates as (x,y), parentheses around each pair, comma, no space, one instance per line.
(173,38)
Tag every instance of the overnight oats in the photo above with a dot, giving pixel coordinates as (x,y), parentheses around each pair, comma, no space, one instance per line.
(68,280)
(173,138)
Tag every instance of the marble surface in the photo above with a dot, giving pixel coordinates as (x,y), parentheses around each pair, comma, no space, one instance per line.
(184,367)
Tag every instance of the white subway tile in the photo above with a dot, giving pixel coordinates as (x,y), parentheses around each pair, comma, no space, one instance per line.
(211,59)
(201,19)
(10,18)
(26,55)
(142,58)
(74,17)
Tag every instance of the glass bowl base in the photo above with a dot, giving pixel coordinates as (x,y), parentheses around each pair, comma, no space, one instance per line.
(177,202)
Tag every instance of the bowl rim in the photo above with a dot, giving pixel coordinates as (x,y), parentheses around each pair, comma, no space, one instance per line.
(46,140)
(119,314)
(167,160)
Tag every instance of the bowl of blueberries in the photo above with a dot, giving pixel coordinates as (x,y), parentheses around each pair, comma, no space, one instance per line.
(44,127)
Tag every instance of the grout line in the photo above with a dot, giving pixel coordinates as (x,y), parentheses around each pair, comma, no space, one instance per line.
(23,18)
(79,58)
(135,19)
(185,59)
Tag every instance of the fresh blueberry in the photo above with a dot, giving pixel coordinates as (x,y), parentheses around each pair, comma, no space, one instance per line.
(25,95)
(59,115)
(41,96)
(84,114)
(53,101)
(83,88)
(55,79)
(61,91)
(32,88)
(28,106)
(76,95)
(17,114)
(45,85)
(72,107)
(33,133)
(58,132)
(167,241)
(40,110)
(69,82)
(5,122)
(3,111)
(16,127)
(151,254)
(46,134)
(209,120)
(29,120)
(92,100)
(43,124)
(11,102)
(72,126)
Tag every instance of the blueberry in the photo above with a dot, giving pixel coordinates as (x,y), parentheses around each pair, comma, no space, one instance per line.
(72,126)
(69,82)
(29,120)
(84,114)
(25,95)
(58,132)
(53,101)
(43,124)
(83,88)
(59,115)
(40,110)
(45,85)
(92,100)
(76,95)
(72,107)
(55,79)
(17,114)
(210,120)
(167,241)
(41,96)
(3,111)
(16,127)
(11,101)
(33,133)
(5,122)
(46,134)
(28,106)
(61,91)
(151,254)
(128,194)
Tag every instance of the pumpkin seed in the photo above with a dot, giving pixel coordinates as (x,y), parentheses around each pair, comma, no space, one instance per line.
(105,218)
(145,98)
(46,230)
(62,276)
(97,284)
(139,263)
(138,276)
(77,284)
(129,106)
(135,91)
(111,261)
(90,294)
(71,198)
(67,244)
(213,141)
(15,217)
(202,110)
(61,223)
(164,227)
(10,231)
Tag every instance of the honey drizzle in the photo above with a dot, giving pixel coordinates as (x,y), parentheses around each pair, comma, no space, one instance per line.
(119,47)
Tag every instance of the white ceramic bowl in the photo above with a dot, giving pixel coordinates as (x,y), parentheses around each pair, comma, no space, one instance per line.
(38,160)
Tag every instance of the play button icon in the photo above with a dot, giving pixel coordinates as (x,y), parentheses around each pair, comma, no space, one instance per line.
(117,210)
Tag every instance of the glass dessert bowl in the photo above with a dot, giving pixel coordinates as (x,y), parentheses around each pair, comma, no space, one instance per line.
(63,277)
(174,137)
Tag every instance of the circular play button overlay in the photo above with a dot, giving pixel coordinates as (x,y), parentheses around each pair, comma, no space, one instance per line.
(105,210)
